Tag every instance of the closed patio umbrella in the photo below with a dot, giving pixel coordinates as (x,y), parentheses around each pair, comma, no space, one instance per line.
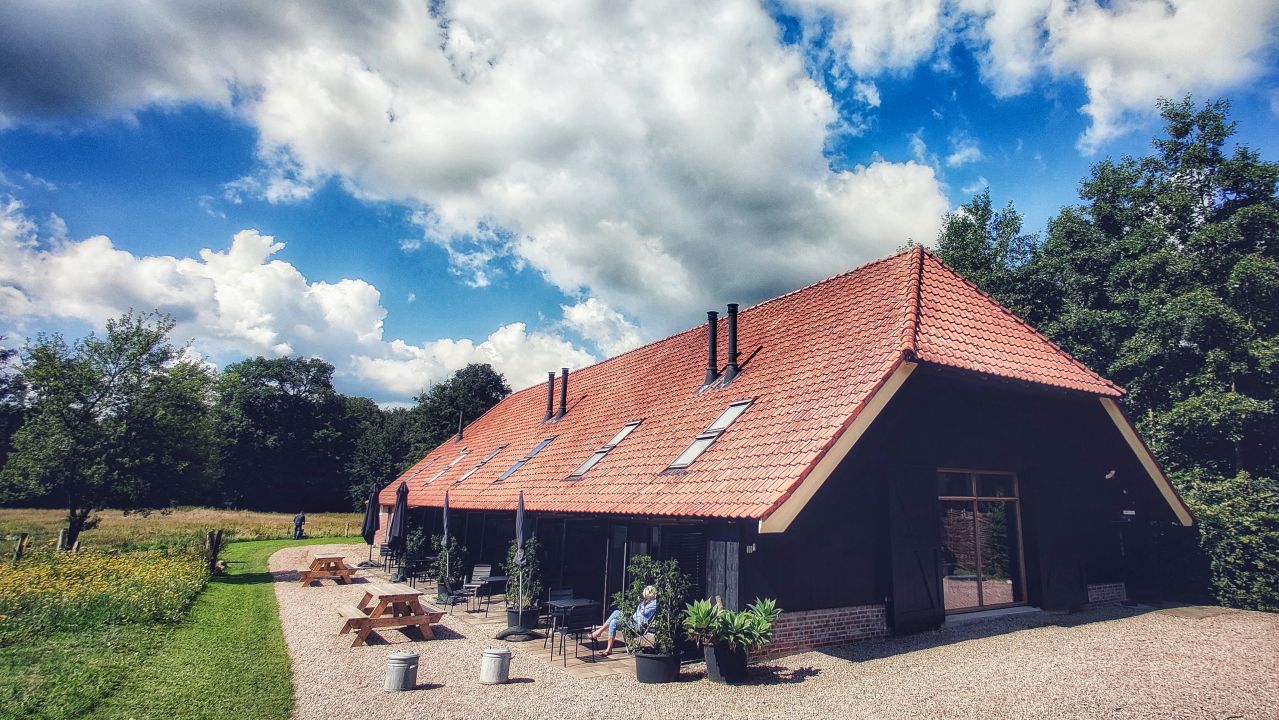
(372,520)
(445,546)
(519,546)
(397,532)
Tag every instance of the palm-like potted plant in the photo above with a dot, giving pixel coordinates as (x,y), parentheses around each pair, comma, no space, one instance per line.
(523,585)
(655,645)
(728,637)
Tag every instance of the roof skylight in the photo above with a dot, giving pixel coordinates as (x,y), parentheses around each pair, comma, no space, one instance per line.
(598,455)
(481,463)
(711,434)
(446,468)
(528,456)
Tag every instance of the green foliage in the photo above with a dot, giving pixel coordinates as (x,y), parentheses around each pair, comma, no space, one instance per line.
(12,398)
(987,247)
(1166,279)
(416,543)
(672,585)
(451,561)
(749,629)
(286,434)
(118,421)
(1238,519)
(470,392)
(524,583)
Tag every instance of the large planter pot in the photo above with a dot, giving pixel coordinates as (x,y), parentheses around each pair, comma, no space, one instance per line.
(526,619)
(723,664)
(652,668)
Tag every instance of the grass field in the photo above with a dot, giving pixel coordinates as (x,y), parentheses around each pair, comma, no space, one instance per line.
(179,527)
(227,659)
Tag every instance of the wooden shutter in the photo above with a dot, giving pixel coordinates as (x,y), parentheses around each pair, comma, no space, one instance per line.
(914,527)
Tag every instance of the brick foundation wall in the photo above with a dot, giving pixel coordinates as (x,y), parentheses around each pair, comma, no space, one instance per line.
(797,632)
(1105,594)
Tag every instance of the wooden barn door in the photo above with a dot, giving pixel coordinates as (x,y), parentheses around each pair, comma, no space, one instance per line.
(913,519)
(1056,526)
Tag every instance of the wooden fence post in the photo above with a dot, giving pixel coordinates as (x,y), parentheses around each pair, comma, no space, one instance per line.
(62,539)
(346,530)
(212,548)
(22,545)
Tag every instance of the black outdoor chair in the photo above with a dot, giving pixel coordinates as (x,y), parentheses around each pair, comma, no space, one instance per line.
(577,623)
(384,554)
(420,569)
(449,596)
(479,578)
(563,593)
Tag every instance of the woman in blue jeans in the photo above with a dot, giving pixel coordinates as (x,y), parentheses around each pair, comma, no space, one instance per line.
(645,612)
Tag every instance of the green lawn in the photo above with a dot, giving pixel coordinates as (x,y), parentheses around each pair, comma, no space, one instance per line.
(226,660)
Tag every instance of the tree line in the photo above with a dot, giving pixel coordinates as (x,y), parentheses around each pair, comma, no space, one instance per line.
(1165,278)
(130,420)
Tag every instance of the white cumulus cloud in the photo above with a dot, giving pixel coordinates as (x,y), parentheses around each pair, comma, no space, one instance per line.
(241,301)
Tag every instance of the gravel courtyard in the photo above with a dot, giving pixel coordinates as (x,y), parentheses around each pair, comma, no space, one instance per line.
(1113,663)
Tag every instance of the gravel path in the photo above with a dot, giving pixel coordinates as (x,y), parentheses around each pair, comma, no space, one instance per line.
(1114,663)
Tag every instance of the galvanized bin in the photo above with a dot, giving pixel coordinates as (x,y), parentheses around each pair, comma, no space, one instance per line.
(495,666)
(401,671)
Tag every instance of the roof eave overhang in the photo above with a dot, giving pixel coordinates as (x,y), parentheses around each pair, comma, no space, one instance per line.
(781,517)
(1148,461)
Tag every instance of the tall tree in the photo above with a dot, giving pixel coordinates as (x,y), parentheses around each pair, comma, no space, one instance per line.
(988,248)
(285,435)
(1166,278)
(111,421)
(468,394)
(12,398)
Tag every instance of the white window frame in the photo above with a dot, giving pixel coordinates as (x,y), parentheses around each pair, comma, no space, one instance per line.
(481,463)
(605,449)
(448,467)
(539,447)
(712,433)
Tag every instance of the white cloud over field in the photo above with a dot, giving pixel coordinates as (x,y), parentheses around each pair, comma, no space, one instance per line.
(240,301)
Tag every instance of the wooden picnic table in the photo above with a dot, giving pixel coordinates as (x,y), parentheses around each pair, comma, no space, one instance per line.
(332,567)
(388,605)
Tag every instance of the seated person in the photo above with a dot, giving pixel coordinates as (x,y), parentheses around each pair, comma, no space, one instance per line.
(645,612)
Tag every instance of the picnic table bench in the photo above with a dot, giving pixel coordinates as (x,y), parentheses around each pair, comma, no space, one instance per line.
(332,567)
(388,605)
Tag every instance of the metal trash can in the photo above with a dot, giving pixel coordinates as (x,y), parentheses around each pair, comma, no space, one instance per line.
(401,671)
(495,666)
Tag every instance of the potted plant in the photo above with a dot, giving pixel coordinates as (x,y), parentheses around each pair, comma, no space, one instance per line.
(654,646)
(523,585)
(450,565)
(728,637)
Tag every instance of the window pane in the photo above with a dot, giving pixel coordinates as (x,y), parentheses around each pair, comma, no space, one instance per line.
(590,463)
(698,447)
(958,555)
(727,417)
(518,464)
(538,448)
(953,484)
(997,533)
(995,486)
(621,435)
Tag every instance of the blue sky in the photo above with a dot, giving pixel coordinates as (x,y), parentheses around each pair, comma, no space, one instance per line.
(401,192)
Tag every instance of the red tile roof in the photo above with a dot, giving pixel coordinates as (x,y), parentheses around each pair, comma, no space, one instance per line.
(812,358)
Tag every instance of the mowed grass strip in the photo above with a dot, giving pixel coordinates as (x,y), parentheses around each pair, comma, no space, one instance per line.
(227,660)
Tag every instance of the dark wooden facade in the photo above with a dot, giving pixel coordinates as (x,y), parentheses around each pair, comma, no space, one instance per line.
(870,535)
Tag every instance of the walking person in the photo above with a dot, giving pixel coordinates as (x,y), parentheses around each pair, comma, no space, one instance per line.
(298,521)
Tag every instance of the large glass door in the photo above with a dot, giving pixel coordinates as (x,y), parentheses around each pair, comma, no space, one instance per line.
(981,554)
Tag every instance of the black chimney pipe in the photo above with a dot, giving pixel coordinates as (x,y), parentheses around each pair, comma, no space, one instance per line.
(712,345)
(731,370)
(550,396)
(563,393)
(459,424)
